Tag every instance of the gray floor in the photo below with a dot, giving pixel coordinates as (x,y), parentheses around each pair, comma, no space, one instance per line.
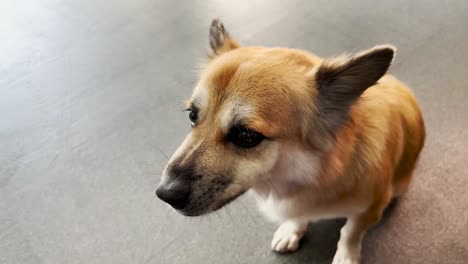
(89,90)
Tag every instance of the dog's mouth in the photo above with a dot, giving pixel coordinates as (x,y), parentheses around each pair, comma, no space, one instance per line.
(228,200)
(200,206)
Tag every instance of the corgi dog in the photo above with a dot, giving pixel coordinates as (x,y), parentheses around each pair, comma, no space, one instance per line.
(313,138)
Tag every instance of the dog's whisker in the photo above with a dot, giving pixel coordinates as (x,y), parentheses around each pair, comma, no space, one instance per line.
(253,219)
(272,185)
(160,150)
(228,212)
(155,172)
(152,174)
(149,163)
(155,181)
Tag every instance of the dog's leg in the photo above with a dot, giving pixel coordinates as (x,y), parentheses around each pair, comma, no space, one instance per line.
(349,245)
(288,236)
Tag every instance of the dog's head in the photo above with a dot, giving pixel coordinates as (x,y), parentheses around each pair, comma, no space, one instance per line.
(250,107)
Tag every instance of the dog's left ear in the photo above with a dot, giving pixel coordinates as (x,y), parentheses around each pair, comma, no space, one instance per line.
(341,81)
(220,40)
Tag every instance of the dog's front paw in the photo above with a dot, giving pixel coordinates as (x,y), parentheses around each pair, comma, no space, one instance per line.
(288,236)
(347,255)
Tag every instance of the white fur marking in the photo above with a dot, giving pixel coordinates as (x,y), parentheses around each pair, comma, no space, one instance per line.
(288,236)
(188,141)
(234,111)
(348,252)
(281,196)
(347,255)
(202,96)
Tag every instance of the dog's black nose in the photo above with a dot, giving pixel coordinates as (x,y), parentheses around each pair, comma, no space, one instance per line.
(176,194)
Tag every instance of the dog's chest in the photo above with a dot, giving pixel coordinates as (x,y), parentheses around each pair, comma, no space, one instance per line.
(293,190)
(304,207)
(294,169)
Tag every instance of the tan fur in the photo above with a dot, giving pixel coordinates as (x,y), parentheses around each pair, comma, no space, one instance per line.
(370,160)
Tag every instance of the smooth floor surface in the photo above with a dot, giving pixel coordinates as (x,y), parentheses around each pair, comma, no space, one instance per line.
(90,91)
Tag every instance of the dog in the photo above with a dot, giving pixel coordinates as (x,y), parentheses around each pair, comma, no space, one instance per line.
(312,138)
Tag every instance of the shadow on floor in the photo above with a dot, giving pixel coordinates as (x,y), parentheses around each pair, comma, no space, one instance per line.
(318,245)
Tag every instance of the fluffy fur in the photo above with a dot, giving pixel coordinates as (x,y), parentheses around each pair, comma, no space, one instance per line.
(342,138)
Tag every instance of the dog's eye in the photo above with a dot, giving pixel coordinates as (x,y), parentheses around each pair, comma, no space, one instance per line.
(244,137)
(193,116)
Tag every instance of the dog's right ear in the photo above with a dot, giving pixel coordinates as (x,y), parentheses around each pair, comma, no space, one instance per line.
(341,81)
(220,40)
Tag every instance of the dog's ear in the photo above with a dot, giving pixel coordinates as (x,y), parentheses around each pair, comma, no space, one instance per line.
(341,81)
(220,40)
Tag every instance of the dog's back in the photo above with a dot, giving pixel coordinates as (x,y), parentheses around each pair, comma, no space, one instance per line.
(399,121)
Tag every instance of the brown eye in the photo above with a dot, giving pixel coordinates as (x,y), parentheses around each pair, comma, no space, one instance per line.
(244,137)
